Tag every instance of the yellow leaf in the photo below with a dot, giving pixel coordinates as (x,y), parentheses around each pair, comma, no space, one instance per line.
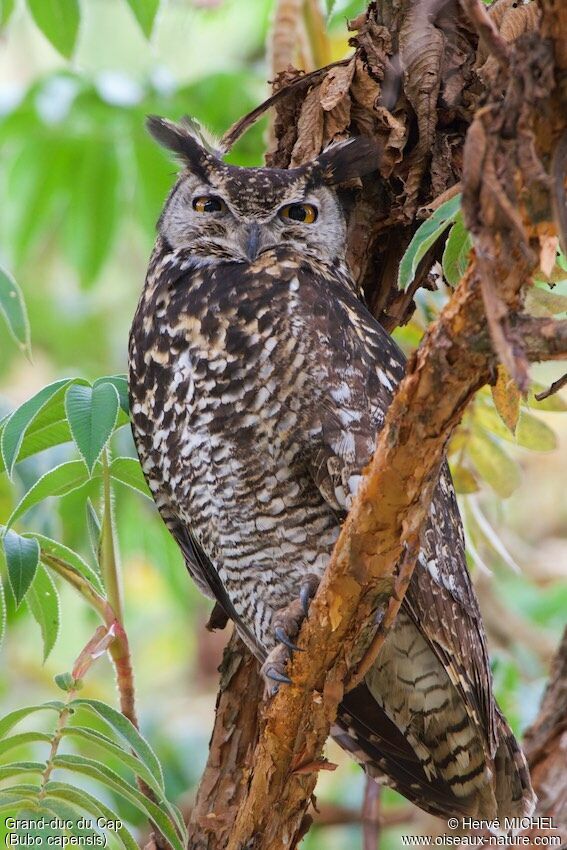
(507,397)
(463,479)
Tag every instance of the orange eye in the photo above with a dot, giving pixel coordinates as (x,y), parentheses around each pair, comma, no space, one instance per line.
(208,204)
(302,213)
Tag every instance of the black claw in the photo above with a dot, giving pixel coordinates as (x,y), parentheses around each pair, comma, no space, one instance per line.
(283,638)
(274,674)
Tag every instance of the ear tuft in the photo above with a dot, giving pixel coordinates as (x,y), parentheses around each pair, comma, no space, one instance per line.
(345,160)
(180,139)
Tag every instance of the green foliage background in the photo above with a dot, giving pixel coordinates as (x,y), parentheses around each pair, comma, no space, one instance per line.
(82,186)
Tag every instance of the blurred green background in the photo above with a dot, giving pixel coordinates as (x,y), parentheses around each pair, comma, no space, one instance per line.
(82,186)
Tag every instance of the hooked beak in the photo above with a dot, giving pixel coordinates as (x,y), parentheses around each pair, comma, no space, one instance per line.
(253,241)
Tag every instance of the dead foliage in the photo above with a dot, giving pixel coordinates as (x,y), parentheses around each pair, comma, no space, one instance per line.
(416,77)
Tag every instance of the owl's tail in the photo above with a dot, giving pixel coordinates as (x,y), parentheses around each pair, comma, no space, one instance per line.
(512,786)
(501,789)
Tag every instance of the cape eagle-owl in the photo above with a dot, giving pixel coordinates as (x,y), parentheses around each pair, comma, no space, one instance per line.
(258,382)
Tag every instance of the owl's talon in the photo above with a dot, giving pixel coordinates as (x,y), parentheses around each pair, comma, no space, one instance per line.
(274,674)
(282,636)
(308,591)
(273,670)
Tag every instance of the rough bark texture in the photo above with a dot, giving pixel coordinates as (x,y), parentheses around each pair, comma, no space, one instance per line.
(420,116)
(222,787)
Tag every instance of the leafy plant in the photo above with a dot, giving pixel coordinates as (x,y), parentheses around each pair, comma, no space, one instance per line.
(89,415)
(59,20)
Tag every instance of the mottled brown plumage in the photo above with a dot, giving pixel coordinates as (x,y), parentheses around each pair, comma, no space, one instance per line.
(258,381)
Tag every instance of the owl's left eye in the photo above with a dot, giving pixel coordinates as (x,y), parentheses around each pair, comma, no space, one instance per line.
(303,213)
(208,204)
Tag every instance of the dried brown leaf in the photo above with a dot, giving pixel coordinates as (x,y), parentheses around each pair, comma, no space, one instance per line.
(512,20)
(364,89)
(507,398)
(393,131)
(421,52)
(336,121)
(309,130)
(336,85)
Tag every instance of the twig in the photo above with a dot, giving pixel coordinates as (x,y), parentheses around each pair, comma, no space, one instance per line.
(329,814)
(108,553)
(371,815)
(243,124)
(554,388)
(542,339)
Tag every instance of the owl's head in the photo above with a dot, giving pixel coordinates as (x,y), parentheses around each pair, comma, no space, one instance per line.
(220,211)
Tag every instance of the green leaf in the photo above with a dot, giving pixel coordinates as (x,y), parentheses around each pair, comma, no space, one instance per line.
(91,225)
(2,613)
(59,22)
(121,384)
(22,561)
(531,432)
(534,434)
(65,681)
(58,481)
(13,309)
(463,479)
(21,419)
(124,756)
(456,253)
(92,413)
(17,768)
(112,780)
(16,798)
(72,559)
(425,236)
(9,720)
(7,744)
(487,416)
(94,529)
(128,732)
(493,464)
(127,470)
(43,601)
(38,439)
(68,813)
(41,178)
(145,13)
(6,9)
(89,804)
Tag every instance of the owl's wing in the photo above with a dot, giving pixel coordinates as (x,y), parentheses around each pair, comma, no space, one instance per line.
(440,600)
(203,571)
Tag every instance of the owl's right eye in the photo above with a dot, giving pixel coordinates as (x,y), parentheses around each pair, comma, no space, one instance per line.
(208,204)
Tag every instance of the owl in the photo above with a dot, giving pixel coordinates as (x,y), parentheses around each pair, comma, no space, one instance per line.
(258,382)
